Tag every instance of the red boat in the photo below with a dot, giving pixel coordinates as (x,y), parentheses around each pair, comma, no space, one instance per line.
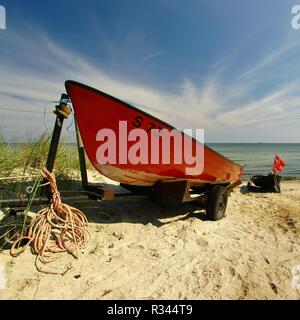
(95,110)
(130,146)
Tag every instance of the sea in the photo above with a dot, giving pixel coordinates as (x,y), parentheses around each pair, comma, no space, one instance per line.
(258,157)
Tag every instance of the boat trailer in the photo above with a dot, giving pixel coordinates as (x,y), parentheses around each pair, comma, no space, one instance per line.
(213,197)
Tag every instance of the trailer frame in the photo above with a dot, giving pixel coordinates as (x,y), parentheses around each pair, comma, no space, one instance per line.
(181,191)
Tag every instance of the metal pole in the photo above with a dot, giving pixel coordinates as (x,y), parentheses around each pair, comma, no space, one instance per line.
(62,112)
(17,203)
(82,161)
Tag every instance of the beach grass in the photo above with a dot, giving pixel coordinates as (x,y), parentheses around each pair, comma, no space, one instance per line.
(27,159)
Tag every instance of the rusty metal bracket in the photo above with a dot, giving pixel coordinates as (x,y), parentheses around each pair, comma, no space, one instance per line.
(178,190)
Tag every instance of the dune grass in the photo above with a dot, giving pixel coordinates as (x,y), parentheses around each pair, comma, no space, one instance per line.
(27,159)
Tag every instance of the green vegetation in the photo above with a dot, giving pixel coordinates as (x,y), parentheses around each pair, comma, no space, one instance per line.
(20,167)
(20,159)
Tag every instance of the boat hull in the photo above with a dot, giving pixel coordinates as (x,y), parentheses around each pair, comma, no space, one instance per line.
(96,110)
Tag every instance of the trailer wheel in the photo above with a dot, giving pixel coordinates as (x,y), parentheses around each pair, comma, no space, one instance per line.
(217,203)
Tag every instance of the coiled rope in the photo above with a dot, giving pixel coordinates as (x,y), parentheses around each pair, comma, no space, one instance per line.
(58,228)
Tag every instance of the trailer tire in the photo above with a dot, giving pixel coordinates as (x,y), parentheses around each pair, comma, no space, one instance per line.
(217,203)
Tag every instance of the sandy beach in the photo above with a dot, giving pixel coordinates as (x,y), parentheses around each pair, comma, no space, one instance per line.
(144,250)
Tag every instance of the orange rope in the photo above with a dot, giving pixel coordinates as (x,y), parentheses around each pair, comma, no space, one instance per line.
(58,228)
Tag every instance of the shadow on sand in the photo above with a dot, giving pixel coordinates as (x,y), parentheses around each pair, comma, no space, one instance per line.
(130,210)
(142,211)
(252,189)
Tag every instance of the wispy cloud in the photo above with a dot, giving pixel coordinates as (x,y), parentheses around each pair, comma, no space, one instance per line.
(279,104)
(269,59)
(219,105)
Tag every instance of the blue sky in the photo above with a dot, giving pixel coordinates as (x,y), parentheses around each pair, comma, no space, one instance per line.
(231,67)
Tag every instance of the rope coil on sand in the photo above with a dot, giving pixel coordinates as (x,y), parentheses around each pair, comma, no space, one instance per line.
(58,228)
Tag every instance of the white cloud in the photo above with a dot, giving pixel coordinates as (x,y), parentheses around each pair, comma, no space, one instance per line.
(279,104)
(269,59)
(45,66)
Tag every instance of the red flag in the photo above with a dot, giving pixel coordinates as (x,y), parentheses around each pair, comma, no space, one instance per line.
(278,164)
(282,163)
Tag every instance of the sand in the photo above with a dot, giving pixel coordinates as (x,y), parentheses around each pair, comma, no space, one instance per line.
(143,250)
